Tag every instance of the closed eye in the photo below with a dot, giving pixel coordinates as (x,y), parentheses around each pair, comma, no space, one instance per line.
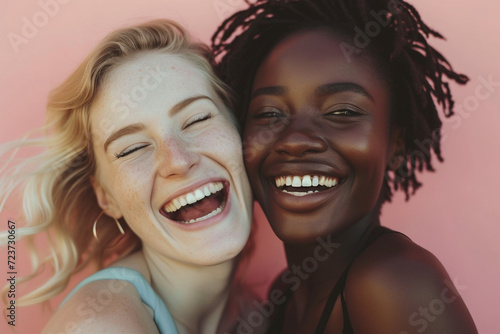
(130,150)
(197,119)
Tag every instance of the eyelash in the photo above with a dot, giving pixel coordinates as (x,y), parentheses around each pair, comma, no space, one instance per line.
(129,151)
(344,113)
(340,112)
(136,148)
(198,119)
(270,113)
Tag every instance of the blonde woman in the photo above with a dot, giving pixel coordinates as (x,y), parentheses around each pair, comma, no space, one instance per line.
(142,163)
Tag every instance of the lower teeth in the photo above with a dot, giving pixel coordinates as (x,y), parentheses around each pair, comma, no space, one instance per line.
(298,193)
(209,215)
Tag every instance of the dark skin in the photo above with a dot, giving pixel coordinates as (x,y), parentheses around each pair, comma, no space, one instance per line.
(324,122)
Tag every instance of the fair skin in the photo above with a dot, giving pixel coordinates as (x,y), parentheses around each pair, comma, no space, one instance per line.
(175,143)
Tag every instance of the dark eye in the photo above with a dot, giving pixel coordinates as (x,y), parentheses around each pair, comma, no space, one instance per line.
(268,113)
(197,119)
(344,112)
(130,150)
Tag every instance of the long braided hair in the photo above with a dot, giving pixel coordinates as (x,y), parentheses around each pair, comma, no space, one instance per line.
(418,74)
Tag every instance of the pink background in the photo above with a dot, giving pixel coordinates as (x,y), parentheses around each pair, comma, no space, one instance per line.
(455,215)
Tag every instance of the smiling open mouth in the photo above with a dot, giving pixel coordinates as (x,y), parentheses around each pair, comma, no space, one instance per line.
(203,203)
(305,185)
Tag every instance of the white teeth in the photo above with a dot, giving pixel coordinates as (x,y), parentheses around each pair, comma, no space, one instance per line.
(296,182)
(300,194)
(328,183)
(193,197)
(315,181)
(321,181)
(199,194)
(306,181)
(280,181)
(211,214)
(190,198)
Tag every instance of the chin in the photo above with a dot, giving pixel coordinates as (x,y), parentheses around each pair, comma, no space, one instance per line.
(294,237)
(221,256)
(224,249)
(294,228)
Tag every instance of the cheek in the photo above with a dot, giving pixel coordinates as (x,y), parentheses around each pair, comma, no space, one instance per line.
(366,146)
(256,142)
(223,144)
(132,183)
(366,150)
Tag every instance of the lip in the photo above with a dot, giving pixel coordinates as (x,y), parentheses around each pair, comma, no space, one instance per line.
(206,222)
(304,203)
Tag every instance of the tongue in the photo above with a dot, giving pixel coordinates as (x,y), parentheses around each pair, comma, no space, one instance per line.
(198,209)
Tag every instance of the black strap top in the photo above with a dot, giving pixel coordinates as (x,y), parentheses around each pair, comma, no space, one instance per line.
(338,290)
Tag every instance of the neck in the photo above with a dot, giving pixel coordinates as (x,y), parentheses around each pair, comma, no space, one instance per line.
(195,295)
(316,267)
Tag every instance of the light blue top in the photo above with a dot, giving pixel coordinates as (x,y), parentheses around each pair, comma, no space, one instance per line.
(161,316)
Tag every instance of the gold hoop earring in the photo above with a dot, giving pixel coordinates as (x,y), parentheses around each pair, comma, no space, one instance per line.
(94,228)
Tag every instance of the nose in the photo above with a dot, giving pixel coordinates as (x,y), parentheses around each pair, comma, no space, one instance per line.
(300,137)
(176,158)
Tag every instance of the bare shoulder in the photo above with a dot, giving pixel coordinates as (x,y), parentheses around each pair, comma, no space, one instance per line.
(114,305)
(111,304)
(396,286)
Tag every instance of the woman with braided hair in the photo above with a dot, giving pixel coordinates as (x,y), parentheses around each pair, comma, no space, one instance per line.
(334,96)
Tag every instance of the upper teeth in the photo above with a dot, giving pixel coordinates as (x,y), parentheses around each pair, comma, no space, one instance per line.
(306,181)
(194,196)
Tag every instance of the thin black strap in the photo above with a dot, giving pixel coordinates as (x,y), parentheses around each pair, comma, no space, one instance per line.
(347,322)
(339,286)
(327,310)
(337,290)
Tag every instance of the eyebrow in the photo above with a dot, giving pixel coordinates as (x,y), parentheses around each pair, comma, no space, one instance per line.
(339,87)
(323,90)
(184,103)
(271,90)
(137,127)
(130,129)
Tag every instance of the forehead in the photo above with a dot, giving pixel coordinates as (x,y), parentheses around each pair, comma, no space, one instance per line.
(148,85)
(316,57)
(152,72)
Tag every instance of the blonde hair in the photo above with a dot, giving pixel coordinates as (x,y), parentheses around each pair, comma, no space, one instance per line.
(58,197)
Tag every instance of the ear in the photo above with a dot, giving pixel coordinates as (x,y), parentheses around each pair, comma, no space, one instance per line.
(106,201)
(397,153)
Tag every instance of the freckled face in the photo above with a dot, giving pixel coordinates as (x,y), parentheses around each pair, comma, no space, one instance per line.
(169,160)
(316,137)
